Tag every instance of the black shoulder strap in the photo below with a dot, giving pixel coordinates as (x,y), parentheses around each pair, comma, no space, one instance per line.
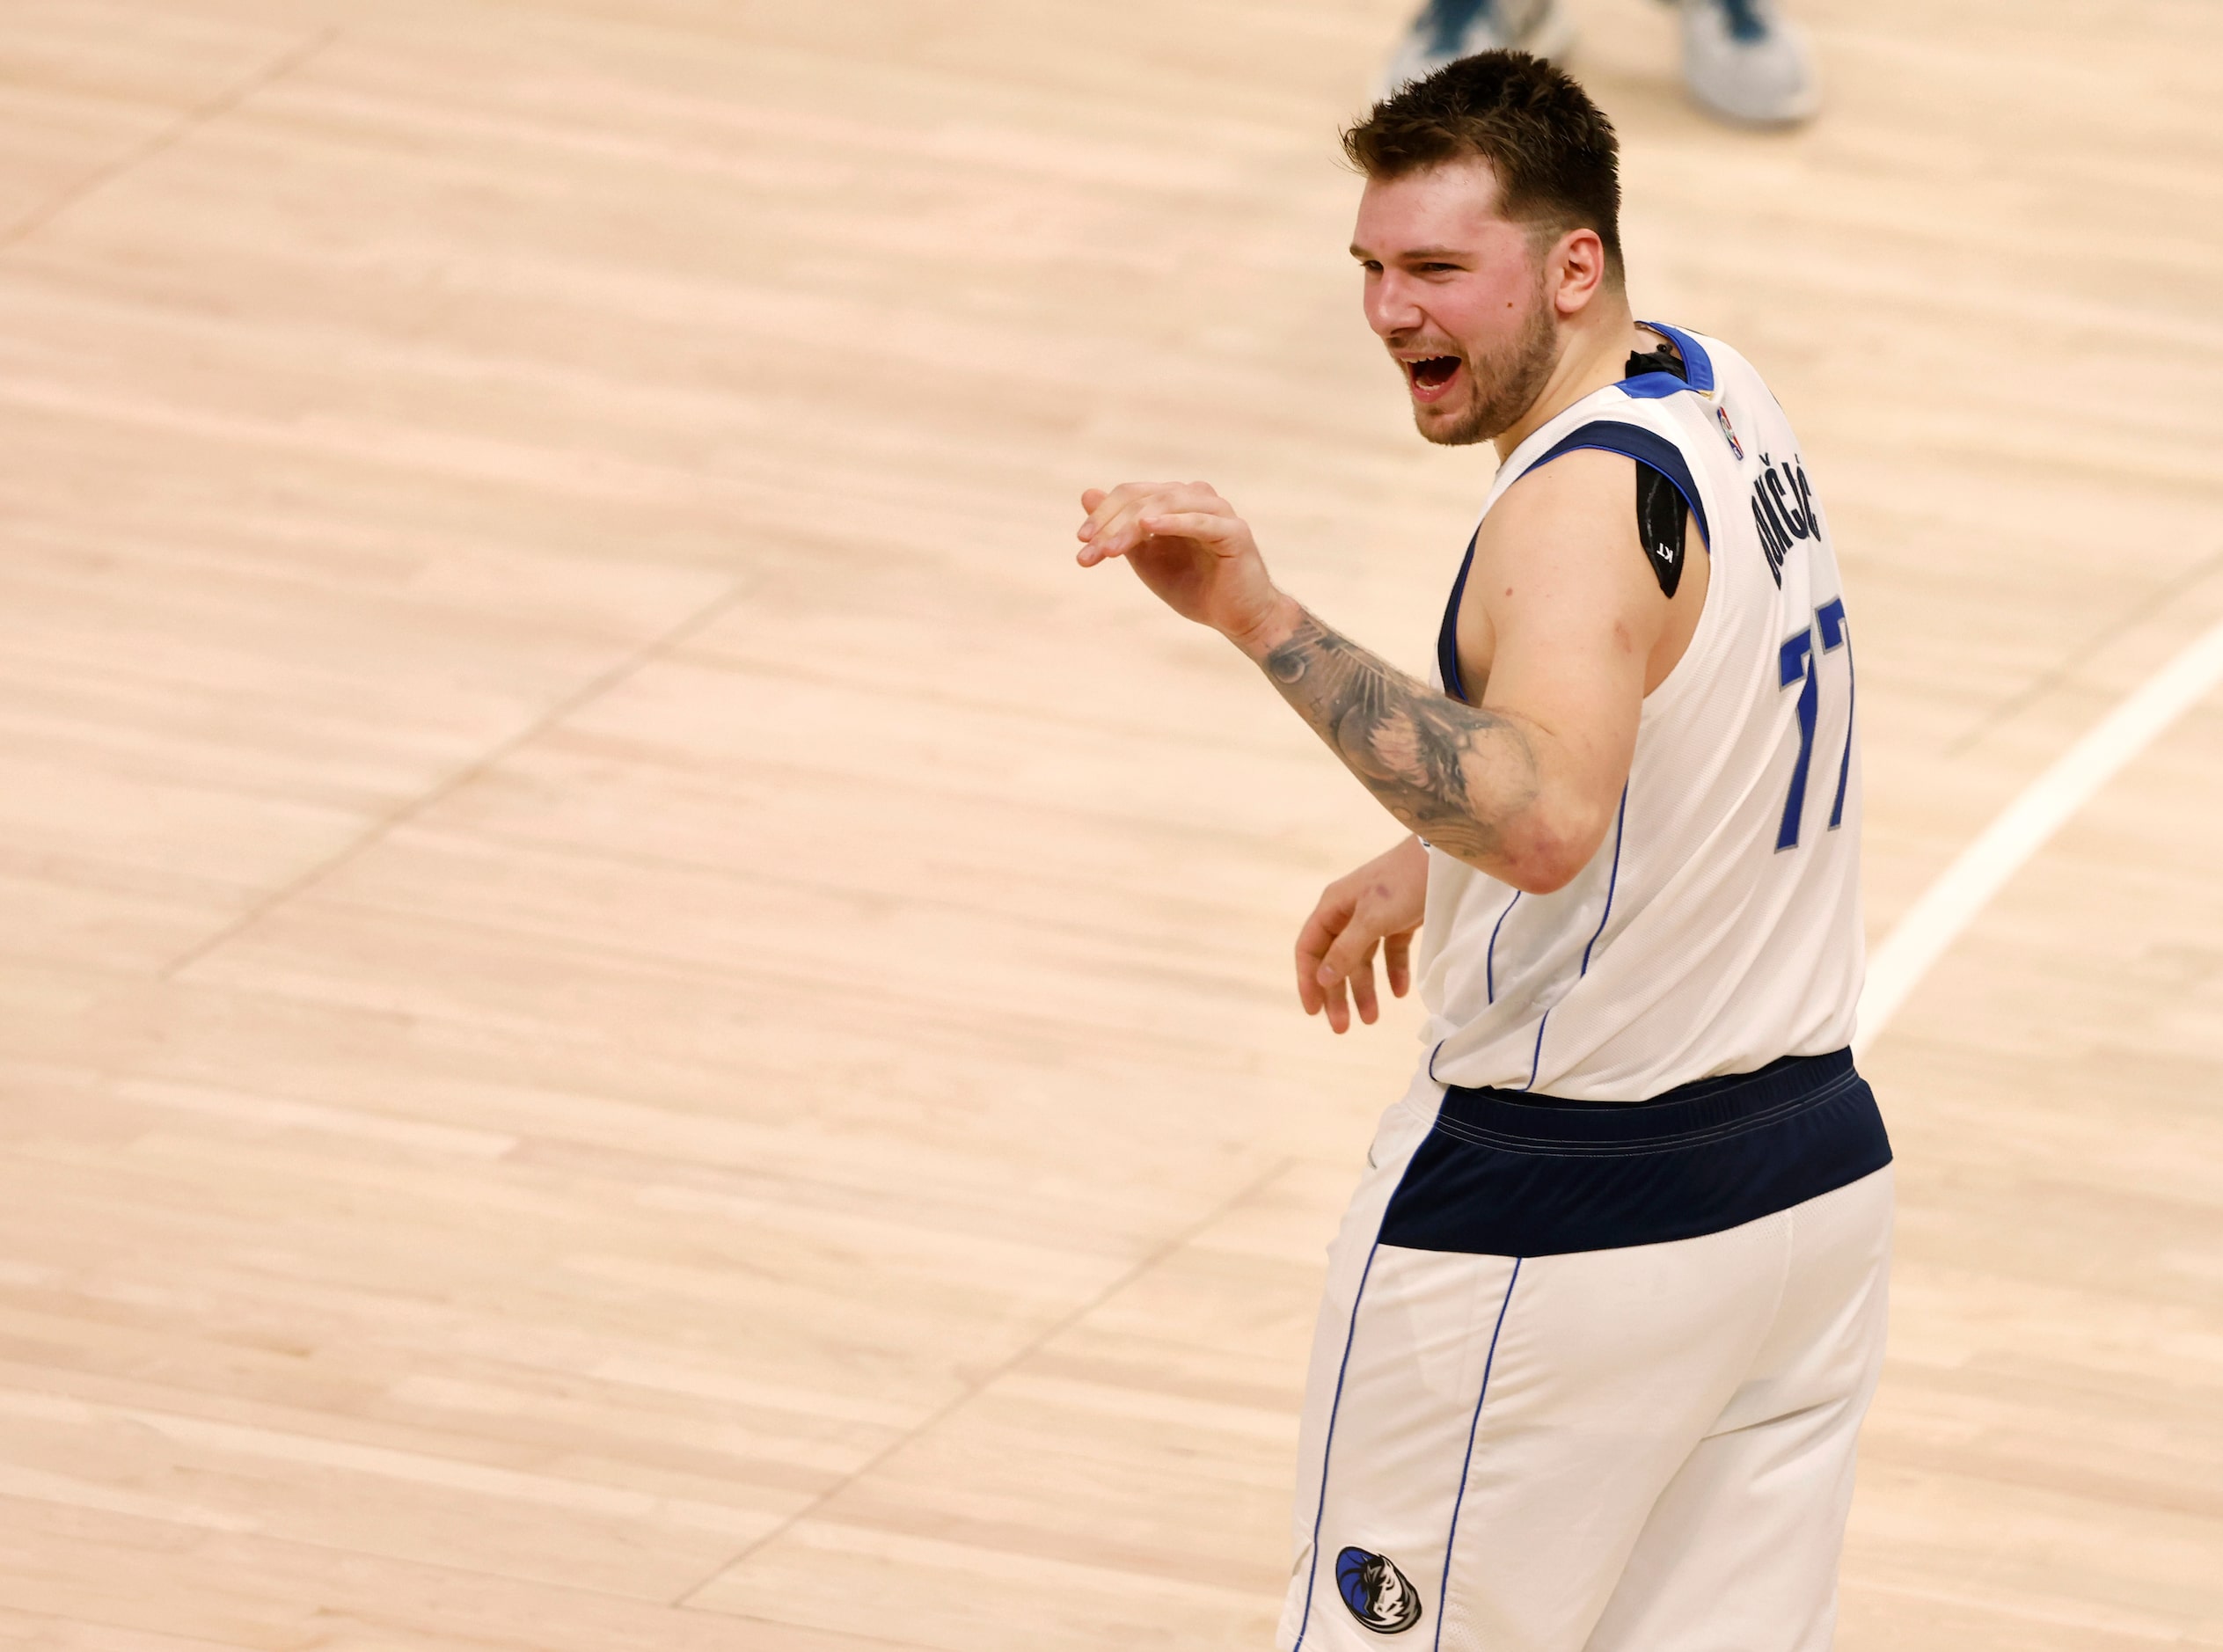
(1661,517)
(1660,513)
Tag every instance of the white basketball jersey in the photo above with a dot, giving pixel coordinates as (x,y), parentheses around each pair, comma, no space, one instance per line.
(1718,926)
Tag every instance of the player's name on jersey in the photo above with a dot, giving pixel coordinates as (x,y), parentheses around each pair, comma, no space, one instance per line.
(1783,509)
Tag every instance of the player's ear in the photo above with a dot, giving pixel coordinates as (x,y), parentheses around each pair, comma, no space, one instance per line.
(1575,270)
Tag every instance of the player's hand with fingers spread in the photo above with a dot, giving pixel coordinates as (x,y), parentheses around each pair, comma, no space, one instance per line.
(1195,554)
(1377,907)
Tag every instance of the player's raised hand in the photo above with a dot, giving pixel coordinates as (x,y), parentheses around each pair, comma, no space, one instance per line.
(1188,546)
(1377,907)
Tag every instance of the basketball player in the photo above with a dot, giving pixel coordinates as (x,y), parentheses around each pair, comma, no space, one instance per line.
(1606,1310)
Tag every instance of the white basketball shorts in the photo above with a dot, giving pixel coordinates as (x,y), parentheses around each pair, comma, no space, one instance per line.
(1587,1377)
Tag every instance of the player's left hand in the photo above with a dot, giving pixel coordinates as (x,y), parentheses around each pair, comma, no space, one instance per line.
(1191,549)
(1380,905)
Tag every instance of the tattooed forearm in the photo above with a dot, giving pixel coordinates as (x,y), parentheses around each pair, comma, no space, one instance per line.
(1451,772)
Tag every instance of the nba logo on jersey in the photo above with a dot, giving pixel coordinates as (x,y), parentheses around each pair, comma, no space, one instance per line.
(1729,430)
(1379,1595)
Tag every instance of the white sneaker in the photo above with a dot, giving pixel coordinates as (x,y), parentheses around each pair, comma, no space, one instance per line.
(1746,62)
(1448,30)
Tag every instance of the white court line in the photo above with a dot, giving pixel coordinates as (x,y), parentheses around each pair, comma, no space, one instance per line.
(1982,869)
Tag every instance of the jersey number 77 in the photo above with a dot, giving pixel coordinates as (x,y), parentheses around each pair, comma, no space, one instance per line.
(1798,661)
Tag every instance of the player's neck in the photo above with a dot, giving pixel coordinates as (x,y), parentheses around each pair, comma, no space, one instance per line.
(1594,352)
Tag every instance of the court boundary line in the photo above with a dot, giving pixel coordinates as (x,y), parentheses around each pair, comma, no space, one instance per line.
(548,719)
(1139,1268)
(1929,927)
(183,127)
(2046,682)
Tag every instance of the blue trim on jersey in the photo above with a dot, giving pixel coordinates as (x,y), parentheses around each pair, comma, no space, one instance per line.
(1646,447)
(1613,882)
(1328,1449)
(1489,958)
(1698,367)
(1447,634)
(1466,1462)
(1504,1173)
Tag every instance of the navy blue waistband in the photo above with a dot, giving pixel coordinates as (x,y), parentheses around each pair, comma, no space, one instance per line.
(1507,1174)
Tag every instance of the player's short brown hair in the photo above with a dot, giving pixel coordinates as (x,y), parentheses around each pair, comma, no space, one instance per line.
(1553,150)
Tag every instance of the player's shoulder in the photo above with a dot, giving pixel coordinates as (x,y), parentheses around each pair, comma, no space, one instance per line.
(1579,507)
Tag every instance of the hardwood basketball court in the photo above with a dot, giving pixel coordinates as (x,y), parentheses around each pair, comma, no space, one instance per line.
(635,1019)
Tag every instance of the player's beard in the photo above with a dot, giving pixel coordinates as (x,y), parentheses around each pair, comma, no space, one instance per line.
(1504,384)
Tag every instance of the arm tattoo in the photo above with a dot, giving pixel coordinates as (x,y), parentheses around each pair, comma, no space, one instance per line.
(1450,771)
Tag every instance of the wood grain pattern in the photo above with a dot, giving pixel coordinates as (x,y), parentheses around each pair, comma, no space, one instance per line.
(632,1018)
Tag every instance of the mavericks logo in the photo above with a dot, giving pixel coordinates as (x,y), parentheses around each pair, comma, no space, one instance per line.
(1377,1592)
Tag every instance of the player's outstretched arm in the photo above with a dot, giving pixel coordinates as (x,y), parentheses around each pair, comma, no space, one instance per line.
(1524,785)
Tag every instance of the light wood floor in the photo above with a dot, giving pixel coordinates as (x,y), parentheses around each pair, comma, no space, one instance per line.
(634,1018)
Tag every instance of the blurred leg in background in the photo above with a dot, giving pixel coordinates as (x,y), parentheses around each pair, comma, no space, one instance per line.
(1447,30)
(1743,60)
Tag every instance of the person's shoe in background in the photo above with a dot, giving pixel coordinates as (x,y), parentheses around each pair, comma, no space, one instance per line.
(1747,63)
(1448,30)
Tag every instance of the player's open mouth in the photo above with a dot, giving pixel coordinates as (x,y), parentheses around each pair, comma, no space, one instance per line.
(1431,376)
